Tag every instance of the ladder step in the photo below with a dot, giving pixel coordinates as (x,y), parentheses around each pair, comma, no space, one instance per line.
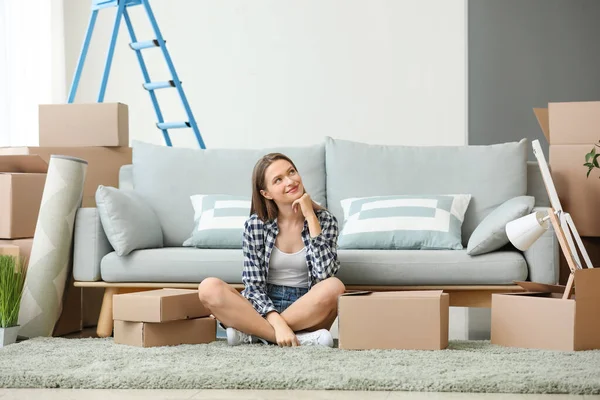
(99,4)
(159,85)
(145,44)
(173,125)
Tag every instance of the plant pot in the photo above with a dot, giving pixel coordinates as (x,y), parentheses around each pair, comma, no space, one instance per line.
(8,335)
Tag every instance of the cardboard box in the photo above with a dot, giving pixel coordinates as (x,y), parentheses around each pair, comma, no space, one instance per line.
(540,319)
(172,333)
(592,246)
(158,306)
(393,320)
(22,180)
(572,129)
(81,125)
(24,246)
(103,164)
(9,250)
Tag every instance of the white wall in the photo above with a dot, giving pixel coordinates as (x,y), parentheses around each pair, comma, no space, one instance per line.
(272,72)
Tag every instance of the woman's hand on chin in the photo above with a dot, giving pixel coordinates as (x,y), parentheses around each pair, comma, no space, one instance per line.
(305,204)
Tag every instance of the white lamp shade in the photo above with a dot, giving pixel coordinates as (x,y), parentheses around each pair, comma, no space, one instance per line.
(523,232)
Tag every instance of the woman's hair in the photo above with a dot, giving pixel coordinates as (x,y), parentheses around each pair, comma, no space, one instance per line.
(264,208)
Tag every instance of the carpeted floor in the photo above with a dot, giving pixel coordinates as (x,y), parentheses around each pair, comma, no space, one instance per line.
(469,366)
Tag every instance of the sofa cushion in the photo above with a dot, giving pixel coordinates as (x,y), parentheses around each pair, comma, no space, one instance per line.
(364,267)
(491,174)
(166,177)
(490,234)
(173,264)
(403,222)
(430,267)
(130,224)
(218,221)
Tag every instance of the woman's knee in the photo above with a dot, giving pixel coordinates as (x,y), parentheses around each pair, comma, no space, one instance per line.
(210,291)
(332,290)
(335,287)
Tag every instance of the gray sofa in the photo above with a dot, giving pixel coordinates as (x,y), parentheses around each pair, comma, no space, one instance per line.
(336,169)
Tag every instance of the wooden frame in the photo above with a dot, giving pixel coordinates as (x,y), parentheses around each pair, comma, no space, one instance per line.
(460,296)
(563,224)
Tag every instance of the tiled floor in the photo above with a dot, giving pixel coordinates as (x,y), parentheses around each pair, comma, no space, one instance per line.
(54,394)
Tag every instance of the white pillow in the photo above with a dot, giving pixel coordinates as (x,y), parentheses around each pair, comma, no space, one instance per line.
(404,222)
(218,221)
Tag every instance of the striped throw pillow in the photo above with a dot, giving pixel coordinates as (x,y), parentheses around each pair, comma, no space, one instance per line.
(218,221)
(421,222)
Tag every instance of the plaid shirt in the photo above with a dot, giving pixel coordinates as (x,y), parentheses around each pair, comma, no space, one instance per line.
(258,242)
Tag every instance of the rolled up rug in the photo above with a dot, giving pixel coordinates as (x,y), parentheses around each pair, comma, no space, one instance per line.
(50,260)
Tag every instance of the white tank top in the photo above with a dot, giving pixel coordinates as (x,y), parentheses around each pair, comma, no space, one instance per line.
(288,269)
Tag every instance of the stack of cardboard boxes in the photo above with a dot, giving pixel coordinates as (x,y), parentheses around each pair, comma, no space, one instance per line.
(547,316)
(22,180)
(95,132)
(572,130)
(164,317)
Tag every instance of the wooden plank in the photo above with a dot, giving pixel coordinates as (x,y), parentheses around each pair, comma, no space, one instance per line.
(160,285)
(562,240)
(564,245)
(460,296)
(156,285)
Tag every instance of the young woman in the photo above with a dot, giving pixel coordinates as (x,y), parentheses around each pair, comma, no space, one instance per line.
(290,259)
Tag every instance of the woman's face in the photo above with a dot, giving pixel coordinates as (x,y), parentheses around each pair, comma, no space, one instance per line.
(283,184)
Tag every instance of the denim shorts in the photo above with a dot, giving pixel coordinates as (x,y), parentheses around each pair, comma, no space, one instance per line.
(284,296)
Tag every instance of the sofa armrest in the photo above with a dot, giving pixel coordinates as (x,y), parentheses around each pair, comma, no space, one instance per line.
(90,245)
(543,256)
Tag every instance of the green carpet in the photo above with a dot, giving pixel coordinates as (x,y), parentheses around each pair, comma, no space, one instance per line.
(466,366)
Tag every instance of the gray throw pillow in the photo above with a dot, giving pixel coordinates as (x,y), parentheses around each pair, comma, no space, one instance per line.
(490,234)
(128,221)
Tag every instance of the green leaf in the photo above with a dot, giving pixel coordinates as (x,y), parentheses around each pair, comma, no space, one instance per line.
(588,156)
(588,164)
(596,161)
(588,173)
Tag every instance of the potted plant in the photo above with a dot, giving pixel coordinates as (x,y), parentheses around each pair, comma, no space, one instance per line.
(591,160)
(12,281)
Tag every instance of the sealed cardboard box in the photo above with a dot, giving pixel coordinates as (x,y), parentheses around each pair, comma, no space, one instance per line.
(540,318)
(103,164)
(393,320)
(158,306)
(22,180)
(172,333)
(24,246)
(572,129)
(86,124)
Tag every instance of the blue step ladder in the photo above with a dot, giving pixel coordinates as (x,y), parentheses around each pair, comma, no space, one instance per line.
(150,86)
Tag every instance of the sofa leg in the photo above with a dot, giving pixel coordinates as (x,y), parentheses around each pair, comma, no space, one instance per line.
(105,320)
